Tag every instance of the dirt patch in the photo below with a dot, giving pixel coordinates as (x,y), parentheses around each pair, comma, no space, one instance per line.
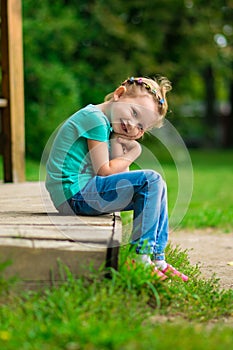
(212,250)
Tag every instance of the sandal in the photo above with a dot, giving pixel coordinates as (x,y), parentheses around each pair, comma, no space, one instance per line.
(155,272)
(171,271)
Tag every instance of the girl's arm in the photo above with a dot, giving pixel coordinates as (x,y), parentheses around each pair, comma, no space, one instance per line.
(128,151)
(117,149)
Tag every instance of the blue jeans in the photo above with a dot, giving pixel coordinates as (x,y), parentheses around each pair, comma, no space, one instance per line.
(142,191)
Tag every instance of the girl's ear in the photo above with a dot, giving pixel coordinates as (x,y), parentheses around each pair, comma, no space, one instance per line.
(119,92)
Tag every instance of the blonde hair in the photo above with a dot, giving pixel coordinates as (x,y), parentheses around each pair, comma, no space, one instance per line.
(158,87)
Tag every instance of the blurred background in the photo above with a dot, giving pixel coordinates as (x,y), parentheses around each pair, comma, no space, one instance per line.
(75,52)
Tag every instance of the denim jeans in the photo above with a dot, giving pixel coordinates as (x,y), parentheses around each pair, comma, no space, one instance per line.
(142,191)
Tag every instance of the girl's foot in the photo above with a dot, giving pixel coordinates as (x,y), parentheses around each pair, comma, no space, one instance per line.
(171,271)
(168,270)
(146,260)
(158,273)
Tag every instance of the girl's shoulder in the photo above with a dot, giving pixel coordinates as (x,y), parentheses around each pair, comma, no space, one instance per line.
(88,122)
(90,114)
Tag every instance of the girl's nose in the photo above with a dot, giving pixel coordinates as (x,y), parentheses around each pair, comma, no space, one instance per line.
(131,124)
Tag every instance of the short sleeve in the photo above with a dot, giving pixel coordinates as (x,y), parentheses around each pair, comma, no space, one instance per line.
(92,125)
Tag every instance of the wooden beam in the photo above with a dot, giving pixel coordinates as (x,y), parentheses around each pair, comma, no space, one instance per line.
(13,91)
(3,102)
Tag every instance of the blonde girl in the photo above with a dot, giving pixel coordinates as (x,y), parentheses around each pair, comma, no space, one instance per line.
(88,166)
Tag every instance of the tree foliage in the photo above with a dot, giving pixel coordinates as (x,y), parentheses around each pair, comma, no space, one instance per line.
(78,51)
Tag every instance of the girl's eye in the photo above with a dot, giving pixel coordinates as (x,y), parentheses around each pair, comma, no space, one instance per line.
(134,113)
(140,126)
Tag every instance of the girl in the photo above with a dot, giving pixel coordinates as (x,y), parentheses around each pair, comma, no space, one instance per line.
(89,175)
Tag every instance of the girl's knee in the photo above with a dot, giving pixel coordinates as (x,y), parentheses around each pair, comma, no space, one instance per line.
(155,179)
(153,176)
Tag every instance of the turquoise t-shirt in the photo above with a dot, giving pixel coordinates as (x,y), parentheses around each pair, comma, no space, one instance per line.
(69,166)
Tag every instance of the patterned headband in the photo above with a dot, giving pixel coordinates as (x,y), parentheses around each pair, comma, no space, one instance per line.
(139,81)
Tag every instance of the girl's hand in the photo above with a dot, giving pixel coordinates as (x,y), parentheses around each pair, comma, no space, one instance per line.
(130,146)
(124,152)
(121,146)
(117,149)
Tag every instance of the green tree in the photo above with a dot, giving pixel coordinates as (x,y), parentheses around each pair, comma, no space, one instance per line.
(51,87)
(78,51)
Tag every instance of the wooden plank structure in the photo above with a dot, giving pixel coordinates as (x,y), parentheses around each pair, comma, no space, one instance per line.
(35,237)
(12,144)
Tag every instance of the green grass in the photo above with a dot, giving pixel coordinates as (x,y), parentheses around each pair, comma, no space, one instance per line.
(31,169)
(212,196)
(212,200)
(133,310)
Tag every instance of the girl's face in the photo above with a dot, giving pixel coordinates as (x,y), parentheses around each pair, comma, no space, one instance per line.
(132,116)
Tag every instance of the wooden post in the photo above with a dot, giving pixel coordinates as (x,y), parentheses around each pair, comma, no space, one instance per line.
(13,91)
